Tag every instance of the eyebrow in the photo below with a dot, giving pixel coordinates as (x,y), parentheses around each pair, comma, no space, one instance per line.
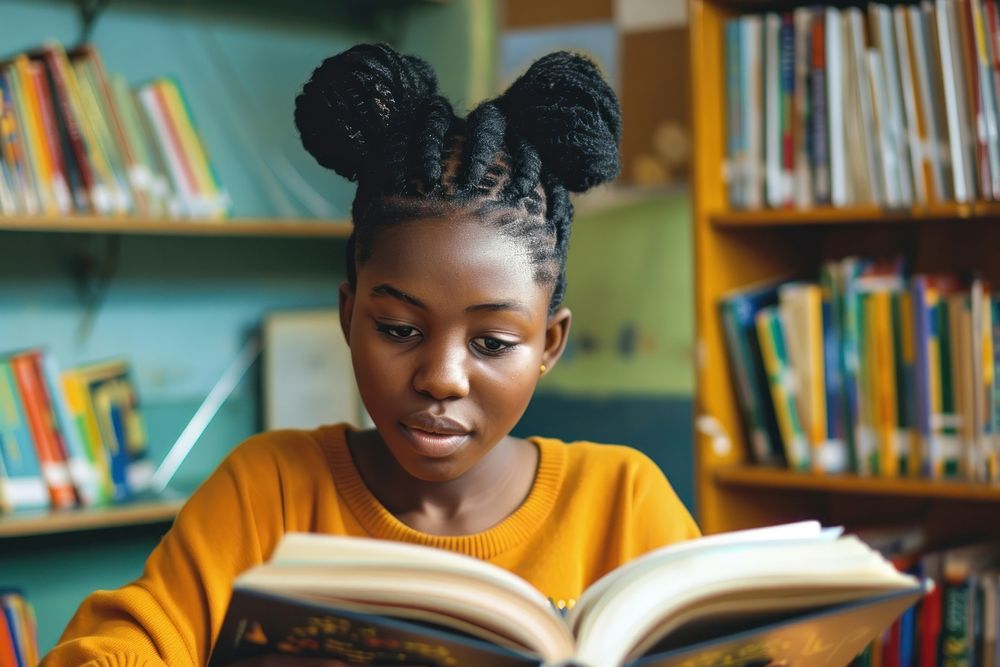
(385,289)
(501,306)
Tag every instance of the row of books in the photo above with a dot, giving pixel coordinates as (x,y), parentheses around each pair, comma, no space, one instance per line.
(18,630)
(885,105)
(958,621)
(869,370)
(76,139)
(69,438)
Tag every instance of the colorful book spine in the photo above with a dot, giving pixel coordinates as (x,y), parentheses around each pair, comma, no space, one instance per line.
(775,355)
(50,451)
(24,485)
(738,313)
(84,470)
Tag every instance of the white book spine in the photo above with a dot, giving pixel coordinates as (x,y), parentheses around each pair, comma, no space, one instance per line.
(187,201)
(962,194)
(890,172)
(895,125)
(835,107)
(873,155)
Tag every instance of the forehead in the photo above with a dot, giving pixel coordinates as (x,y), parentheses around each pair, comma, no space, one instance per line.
(457,258)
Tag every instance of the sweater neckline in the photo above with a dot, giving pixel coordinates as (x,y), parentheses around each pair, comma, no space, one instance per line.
(515,529)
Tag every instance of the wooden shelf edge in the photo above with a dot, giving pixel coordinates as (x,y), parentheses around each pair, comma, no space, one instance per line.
(855,215)
(786,480)
(31,524)
(250,227)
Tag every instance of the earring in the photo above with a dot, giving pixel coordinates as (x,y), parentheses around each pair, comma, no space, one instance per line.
(542,369)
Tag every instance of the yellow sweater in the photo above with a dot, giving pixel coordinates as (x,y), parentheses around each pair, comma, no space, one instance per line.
(591,508)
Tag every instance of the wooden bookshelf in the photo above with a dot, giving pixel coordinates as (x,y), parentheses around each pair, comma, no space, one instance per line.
(951,213)
(737,248)
(28,524)
(772,479)
(248,227)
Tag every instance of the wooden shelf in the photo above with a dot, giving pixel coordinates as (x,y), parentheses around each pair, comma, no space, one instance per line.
(856,215)
(28,524)
(773,479)
(250,227)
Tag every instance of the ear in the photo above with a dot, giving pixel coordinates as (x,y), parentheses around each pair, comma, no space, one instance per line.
(346,309)
(556,337)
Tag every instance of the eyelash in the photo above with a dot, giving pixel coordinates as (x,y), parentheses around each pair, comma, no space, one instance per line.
(392,331)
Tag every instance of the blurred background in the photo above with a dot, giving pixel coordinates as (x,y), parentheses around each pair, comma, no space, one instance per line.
(180,306)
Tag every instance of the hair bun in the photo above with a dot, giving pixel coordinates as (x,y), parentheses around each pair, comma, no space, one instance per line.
(350,103)
(570,114)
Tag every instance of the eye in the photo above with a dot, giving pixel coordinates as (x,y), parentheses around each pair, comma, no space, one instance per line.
(492,346)
(399,332)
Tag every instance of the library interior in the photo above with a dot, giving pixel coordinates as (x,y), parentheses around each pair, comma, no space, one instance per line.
(772,301)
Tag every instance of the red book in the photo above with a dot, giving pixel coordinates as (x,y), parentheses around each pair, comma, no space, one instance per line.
(929,627)
(8,654)
(51,454)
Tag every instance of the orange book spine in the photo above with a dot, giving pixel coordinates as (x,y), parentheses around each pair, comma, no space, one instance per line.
(51,456)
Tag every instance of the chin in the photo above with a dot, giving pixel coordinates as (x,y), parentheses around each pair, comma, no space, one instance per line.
(433,470)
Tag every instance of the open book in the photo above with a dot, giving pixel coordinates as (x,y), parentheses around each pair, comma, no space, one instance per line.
(796,593)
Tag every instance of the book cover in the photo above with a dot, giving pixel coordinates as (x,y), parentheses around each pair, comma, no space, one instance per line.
(114,403)
(739,310)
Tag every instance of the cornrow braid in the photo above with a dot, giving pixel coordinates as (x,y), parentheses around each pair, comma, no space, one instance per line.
(374,116)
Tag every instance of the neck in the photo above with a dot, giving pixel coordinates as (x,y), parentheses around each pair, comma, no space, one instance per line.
(477,500)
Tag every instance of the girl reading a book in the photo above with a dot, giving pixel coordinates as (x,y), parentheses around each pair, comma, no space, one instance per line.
(452,308)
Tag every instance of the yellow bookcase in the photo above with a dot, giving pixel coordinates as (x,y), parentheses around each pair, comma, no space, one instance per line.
(736,248)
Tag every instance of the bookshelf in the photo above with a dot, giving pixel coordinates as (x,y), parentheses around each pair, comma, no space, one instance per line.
(735,248)
(33,524)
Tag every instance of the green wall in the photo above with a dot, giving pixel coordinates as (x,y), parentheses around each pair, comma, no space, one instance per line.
(629,278)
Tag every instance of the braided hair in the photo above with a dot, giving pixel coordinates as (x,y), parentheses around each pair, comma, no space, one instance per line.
(374,116)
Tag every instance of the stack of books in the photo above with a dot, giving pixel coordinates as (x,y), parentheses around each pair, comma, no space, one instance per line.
(896,106)
(68,439)
(75,139)
(869,370)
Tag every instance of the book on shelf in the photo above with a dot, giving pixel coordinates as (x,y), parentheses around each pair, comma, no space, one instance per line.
(871,371)
(18,630)
(75,138)
(771,594)
(68,438)
(958,622)
(896,105)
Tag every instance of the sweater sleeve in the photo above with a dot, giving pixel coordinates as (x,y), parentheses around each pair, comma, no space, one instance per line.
(170,615)
(661,516)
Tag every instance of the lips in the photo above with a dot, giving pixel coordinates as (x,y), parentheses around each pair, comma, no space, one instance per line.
(433,436)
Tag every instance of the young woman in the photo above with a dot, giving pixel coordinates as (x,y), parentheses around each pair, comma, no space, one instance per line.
(452,309)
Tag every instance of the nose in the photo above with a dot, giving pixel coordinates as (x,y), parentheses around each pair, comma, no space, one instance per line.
(442,372)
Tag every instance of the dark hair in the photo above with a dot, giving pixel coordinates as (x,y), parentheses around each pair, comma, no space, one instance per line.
(374,116)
